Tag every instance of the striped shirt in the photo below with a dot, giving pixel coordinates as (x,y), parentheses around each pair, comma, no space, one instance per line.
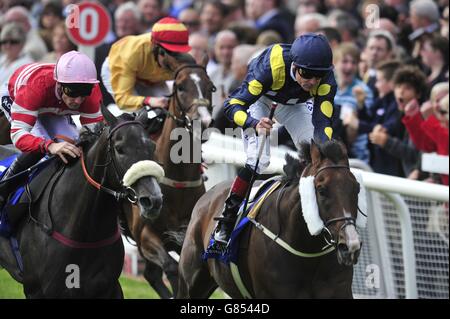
(34,92)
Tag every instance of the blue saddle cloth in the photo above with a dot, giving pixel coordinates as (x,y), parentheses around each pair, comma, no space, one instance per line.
(5,227)
(230,252)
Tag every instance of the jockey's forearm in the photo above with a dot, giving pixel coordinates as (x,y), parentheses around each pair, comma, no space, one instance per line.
(128,102)
(238,115)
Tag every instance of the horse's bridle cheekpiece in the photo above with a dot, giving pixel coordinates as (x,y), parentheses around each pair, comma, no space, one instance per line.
(183,120)
(311,212)
(126,192)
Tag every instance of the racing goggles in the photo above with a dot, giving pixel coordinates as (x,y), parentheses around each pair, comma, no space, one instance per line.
(309,74)
(74,90)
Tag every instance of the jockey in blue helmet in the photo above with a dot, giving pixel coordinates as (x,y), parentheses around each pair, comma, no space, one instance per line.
(300,78)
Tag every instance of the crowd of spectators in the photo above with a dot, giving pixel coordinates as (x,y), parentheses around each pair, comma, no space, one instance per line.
(390,57)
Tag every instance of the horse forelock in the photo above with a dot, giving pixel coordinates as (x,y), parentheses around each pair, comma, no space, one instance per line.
(333,151)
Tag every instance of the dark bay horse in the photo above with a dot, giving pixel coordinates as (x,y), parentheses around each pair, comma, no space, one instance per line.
(183,184)
(70,243)
(293,263)
(5,128)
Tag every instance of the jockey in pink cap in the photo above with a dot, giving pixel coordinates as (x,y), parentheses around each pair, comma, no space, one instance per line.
(39,99)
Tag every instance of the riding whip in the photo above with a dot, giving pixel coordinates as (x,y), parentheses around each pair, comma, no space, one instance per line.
(261,148)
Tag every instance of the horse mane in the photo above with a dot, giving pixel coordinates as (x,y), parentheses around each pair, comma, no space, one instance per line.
(184,58)
(89,136)
(127,117)
(291,169)
(330,150)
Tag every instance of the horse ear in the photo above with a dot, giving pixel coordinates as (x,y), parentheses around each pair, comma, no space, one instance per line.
(315,153)
(205,60)
(343,148)
(108,116)
(142,116)
(171,62)
(344,151)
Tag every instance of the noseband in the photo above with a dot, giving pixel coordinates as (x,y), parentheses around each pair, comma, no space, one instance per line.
(328,236)
(184,120)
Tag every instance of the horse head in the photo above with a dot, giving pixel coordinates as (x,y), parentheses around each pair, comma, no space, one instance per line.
(329,197)
(192,94)
(131,155)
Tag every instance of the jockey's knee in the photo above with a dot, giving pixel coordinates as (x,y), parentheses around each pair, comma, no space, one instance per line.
(264,162)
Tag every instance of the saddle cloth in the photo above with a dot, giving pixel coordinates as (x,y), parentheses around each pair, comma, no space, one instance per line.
(260,193)
(6,228)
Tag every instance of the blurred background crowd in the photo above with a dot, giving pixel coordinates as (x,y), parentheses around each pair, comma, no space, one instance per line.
(390,57)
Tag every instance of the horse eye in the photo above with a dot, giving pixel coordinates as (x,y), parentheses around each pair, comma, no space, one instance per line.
(322,191)
(181,88)
(119,150)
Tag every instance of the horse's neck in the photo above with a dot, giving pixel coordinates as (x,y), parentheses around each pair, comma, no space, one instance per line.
(92,211)
(96,158)
(181,171)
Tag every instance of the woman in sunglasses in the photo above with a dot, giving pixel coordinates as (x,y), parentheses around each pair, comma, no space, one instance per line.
(300,78)
(12,41)
(39,99)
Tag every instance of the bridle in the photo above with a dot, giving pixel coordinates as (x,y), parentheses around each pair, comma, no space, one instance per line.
(126,192)
(183,120)
(327,235)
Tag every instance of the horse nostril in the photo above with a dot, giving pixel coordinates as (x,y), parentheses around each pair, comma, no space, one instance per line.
(145,202)
(157,202)
(152,202)
(342,248)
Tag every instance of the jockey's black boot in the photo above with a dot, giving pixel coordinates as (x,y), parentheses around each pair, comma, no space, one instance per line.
(232,204)
(227,218)
(21,163)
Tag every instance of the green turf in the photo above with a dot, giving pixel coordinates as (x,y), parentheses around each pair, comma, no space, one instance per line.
(9,288)
(133,288)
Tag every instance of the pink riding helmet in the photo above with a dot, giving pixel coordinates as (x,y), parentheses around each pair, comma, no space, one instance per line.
(75,67)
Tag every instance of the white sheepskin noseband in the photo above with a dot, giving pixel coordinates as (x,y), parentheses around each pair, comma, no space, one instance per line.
(141,169)
(310,209)
(361,220)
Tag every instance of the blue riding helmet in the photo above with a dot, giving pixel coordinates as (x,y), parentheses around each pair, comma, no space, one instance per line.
(312,54)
